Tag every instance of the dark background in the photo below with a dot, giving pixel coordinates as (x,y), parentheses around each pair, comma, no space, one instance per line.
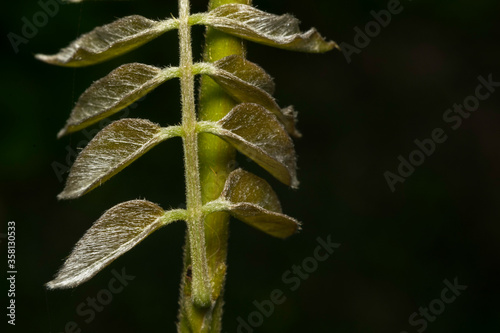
(357,118)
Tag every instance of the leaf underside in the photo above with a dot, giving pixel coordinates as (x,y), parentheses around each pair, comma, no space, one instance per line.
(110,151)
(247,92)
(247,71)
(117,231)
(256,132)
(283,31)
(253,201)
(114,92)
(109,41)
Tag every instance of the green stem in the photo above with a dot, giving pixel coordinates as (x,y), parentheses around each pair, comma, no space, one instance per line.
(216,161)
(201,293)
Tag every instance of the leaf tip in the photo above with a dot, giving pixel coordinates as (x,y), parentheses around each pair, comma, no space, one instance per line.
(67,194)
(336,46)
(59,59)
(330,45)
(57,283)
(62,132)
(63,282)
(322,45)
(43,57)
(298,228)
(294,229)
(51,285)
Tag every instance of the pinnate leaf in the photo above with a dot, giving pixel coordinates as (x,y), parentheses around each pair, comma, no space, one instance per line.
(255,25)
(118,230)
(252,200)
(109,41)
(110,151)
(114,92)
(257,133)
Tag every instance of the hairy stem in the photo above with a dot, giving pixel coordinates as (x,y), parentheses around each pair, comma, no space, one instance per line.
(216,161)
(201,293)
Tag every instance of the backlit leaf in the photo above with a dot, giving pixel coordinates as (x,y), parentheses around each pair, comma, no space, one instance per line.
(109,41)
(252,200)
(279,31)
(118,230)
(247,92)
(247,71)
(257,133)
(114,92)
(110,151)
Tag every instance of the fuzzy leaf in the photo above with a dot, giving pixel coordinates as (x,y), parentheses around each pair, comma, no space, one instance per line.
(247,71)
(110,151)
(114,92)
(109,41)
(118,230)
(247,92)
(257,133)
(255,25)
(253,201)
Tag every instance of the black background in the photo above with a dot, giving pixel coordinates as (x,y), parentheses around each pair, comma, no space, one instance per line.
(356,119)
